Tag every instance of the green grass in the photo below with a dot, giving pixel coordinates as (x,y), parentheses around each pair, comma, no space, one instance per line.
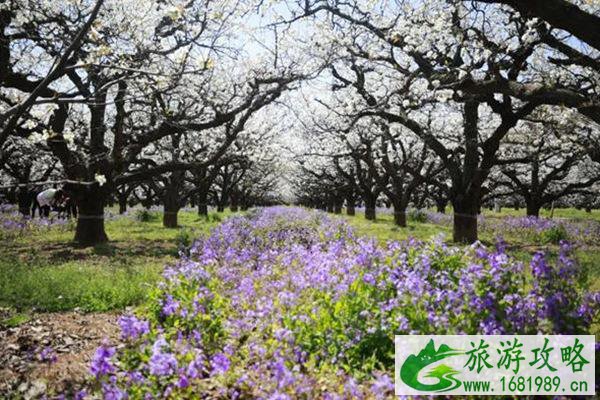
(14,320)
(89,285)
(569,213)
(384,229)
(46,271)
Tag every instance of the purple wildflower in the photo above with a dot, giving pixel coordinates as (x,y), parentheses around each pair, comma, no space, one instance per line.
(219,364)
(101,363)
(48,355)
(170,306)
(132,327)
(161,363)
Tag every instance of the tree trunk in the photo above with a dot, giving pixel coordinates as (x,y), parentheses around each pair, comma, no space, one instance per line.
(465,218)
(24,199)
(122,203)
(400,217)
(90,221)
(533,210)
(370,204)
(220,207)
(11,195)
(170,218)
(350,205)
(171,205)
(330,206)
(465,227)
(202,201)
(440,204)
(370,213)
(234,206)
(496,207)
(122,207)
(337,206)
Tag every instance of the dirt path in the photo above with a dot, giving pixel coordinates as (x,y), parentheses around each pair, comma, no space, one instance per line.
(51,352)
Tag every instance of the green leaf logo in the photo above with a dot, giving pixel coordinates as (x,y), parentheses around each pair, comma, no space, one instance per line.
(413,365)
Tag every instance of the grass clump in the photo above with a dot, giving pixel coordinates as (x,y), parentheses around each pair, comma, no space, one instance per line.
(554,235)
(145,215)
(417,215)
(14,321)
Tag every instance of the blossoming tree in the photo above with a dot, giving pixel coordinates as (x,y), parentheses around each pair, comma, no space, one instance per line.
(139,74)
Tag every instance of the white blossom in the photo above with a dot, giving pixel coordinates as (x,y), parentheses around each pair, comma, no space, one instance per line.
(101,179)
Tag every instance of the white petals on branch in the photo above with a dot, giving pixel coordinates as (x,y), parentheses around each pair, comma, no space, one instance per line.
(101,179)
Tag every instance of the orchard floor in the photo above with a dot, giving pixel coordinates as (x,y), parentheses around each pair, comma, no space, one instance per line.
(56,295)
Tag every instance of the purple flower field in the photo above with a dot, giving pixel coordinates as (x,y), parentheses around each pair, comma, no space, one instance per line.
(13,224)
(531,229)
(289,303)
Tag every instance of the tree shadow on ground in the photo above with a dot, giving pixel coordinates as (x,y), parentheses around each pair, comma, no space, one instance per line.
(59,252)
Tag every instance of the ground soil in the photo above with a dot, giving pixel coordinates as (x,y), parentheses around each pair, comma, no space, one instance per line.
(70,340)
